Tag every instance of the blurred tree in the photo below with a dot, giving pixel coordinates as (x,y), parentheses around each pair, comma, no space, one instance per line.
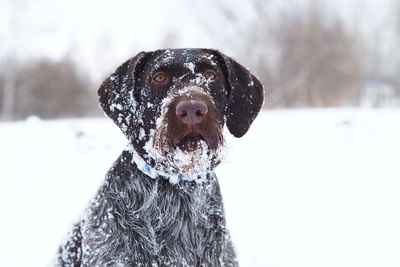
(10,45)
(52,90)
(8,89)
(305,58)
(318,62)
(397,72)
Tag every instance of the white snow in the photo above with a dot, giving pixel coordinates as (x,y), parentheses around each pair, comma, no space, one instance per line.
(190,66)
(141,134)
(302,188)
(116,106)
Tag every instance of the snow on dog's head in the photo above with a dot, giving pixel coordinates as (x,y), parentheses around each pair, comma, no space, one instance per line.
(172,105)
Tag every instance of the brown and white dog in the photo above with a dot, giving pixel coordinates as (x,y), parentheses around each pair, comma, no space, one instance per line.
(160,204)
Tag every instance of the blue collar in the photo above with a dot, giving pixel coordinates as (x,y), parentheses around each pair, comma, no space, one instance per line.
(153,173)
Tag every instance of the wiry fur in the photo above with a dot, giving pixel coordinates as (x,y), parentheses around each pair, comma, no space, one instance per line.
(135,220)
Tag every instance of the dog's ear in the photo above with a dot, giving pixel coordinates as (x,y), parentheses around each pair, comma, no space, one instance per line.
(246,97)
(117,95)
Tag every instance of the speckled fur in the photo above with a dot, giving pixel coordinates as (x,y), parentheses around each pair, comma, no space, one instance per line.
(135,220)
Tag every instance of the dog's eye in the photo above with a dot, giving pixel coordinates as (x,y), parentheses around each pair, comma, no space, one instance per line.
(211,75)
(160,77)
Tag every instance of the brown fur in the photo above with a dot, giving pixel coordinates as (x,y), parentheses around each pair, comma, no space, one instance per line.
(173,131)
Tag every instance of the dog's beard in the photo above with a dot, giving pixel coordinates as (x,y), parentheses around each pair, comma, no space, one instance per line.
(176,147)
(190,154)
(191,142)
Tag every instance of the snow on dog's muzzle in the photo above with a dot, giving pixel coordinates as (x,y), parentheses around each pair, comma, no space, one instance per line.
(192,117)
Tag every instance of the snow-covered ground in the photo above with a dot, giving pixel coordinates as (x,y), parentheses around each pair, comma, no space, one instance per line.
(302,188)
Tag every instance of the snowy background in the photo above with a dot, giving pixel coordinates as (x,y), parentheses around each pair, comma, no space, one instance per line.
(305,187)
(302,188)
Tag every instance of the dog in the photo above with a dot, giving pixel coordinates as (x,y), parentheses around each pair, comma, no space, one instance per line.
(160,203)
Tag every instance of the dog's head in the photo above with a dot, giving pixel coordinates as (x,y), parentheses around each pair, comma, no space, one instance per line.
(172,105)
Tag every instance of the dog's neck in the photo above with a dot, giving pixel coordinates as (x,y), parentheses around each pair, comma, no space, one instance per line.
(153,172)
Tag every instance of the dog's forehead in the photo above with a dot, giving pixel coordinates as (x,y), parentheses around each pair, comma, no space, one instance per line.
(188,58)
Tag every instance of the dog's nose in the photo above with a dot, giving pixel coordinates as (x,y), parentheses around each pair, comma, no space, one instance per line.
(191,111)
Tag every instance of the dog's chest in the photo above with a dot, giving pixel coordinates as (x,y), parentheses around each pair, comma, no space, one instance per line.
(143,218)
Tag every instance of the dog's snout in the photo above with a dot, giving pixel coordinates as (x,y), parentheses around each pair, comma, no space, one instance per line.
(191,111)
